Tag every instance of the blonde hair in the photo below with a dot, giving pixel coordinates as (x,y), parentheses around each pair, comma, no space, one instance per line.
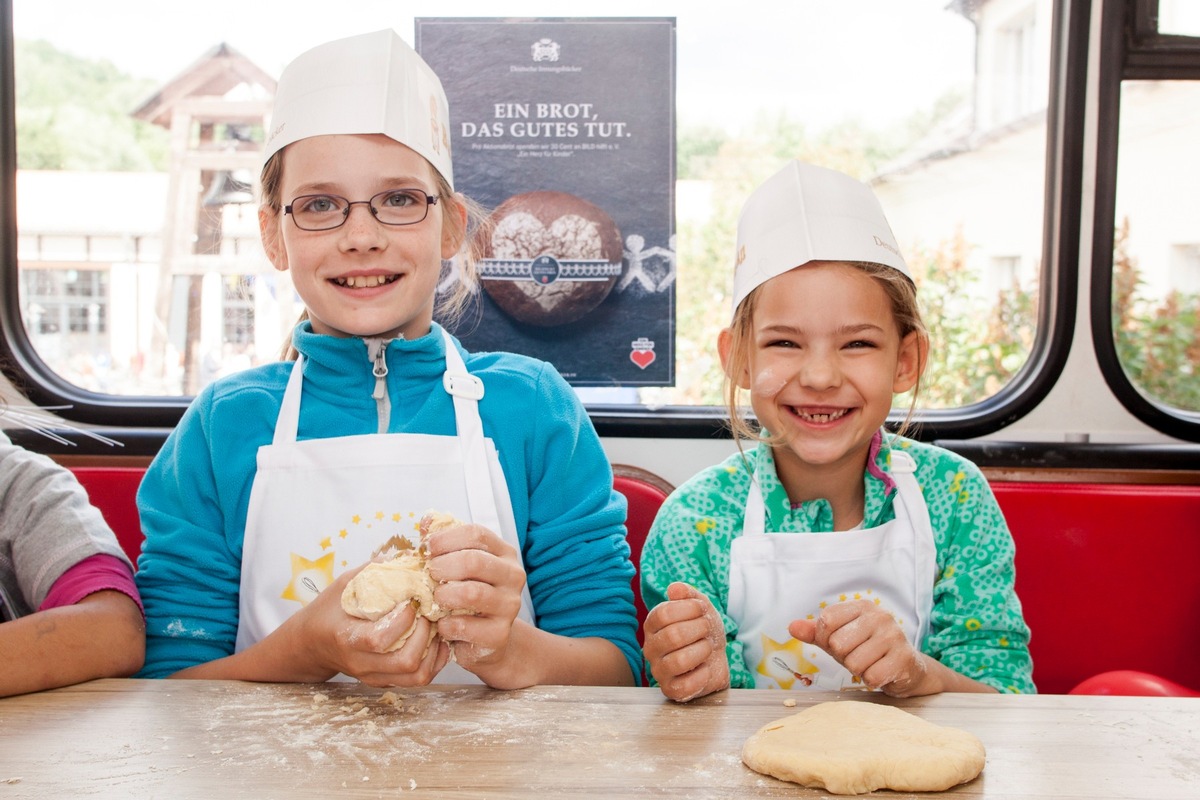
(902,296)
(453,305)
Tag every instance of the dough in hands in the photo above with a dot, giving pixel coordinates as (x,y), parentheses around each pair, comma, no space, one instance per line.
(853,747)
(383,585)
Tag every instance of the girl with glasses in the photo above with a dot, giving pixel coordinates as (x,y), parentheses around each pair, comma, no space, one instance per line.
(282,482)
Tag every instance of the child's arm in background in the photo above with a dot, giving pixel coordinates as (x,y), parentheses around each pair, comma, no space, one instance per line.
(70,586)
(101,636)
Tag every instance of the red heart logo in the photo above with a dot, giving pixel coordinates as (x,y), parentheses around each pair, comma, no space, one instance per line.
(643,358)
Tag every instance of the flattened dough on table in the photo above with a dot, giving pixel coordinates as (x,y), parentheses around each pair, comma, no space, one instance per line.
(853,747)
(383,585)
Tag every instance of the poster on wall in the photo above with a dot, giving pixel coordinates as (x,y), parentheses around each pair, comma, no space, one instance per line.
(564,131)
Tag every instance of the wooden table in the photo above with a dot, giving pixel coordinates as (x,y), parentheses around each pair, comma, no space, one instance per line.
(210,739)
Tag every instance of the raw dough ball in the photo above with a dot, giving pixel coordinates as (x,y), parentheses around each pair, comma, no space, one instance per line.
(852,747)
(550,257)
(383,585)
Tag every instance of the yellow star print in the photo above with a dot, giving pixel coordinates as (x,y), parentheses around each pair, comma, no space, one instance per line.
(308,578)
(785,663)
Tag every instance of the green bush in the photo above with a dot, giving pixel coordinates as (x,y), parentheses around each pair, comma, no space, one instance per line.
(976,343)
(1157,339)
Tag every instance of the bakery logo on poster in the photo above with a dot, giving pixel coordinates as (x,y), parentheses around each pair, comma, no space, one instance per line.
(545,50)
(643,352)
(545,269)
(549,258)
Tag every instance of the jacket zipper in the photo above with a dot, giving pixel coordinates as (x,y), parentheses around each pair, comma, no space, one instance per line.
(377,354)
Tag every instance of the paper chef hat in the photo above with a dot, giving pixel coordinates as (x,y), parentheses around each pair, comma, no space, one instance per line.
(371,83)
(806,213)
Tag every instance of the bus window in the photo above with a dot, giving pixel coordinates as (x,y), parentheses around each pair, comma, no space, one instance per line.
(1179,18)
(1156,251)
(1146,261)
(156,284)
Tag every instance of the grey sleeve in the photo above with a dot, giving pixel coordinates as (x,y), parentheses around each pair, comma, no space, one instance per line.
(47,525)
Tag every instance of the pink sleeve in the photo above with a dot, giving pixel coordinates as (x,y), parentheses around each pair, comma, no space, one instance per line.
(94,574)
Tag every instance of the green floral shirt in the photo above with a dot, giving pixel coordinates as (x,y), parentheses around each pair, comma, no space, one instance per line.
(976,627)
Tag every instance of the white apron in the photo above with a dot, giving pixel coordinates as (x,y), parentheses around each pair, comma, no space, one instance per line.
(322,506)
(775,578)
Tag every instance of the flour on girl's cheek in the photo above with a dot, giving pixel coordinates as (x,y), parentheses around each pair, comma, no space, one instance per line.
(767,384)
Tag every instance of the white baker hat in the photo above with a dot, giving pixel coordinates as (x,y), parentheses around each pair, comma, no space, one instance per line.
(807,213)
(371,83)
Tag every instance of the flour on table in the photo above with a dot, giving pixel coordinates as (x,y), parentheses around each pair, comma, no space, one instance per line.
(853,747)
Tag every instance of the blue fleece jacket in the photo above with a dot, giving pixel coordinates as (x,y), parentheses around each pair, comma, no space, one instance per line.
(194,498)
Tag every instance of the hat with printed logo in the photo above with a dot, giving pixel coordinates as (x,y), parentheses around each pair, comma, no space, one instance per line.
(371,83)
(807,213)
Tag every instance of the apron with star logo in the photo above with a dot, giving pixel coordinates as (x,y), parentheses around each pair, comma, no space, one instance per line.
(776,577)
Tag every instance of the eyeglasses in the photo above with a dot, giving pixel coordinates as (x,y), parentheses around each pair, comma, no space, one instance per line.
(324,212)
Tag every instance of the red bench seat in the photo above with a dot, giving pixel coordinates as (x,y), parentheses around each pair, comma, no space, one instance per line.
(1109,578)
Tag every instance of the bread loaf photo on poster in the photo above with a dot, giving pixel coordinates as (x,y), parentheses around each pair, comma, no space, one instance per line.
(549,258)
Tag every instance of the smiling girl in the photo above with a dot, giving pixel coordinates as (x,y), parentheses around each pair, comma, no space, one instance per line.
(833,555)
(281,482)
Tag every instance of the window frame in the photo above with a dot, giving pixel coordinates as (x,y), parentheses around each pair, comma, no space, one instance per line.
(147,418)
(1131,48)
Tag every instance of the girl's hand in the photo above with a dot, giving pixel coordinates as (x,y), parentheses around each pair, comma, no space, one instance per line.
(480,579)
(685,645)
(336,642)
(868,642)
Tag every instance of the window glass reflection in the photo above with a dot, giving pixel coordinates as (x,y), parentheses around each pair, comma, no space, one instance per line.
(940,106)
